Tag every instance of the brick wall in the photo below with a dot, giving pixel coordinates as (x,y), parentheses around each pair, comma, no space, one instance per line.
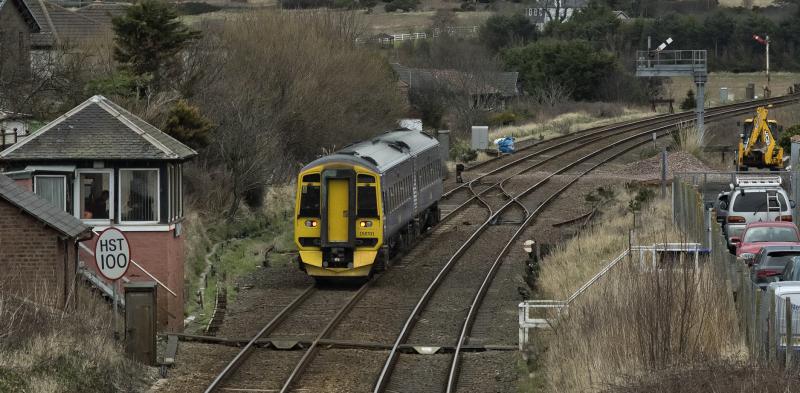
(32,262)
(162,255)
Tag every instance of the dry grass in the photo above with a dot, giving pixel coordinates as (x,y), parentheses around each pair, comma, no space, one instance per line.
(633,321)
(49,350)
(567,123)
(595,247)
(688,138)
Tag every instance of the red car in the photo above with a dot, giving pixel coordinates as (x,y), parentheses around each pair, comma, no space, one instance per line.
(759,234)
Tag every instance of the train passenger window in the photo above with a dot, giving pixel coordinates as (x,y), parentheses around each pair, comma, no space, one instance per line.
(367,202)
(309,201)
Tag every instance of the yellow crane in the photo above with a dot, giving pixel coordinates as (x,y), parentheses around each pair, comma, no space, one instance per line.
(758,145)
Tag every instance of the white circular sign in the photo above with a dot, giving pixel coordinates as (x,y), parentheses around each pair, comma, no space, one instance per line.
(112,254)
(528,246)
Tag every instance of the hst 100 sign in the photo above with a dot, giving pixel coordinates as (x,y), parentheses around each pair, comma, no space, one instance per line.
(112,254)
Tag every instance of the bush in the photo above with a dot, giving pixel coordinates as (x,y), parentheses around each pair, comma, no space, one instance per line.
(576,65)
(462,152)
(502,31)
(785,140)
(690,102)
(467,7)
(405,5)
(195,8)
(502,119)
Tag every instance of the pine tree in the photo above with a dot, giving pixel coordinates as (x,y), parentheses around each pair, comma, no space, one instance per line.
(149,37)
(690,102)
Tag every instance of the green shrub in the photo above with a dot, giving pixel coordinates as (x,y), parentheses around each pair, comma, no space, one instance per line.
(785,140)
(462,152)
(405,5)
(690,102)
(196,8)
(502,118)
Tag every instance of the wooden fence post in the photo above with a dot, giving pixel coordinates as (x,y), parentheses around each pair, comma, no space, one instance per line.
(758,344)
(771,336)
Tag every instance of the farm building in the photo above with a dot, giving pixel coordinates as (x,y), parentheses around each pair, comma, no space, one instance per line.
(38,246)
(105,166)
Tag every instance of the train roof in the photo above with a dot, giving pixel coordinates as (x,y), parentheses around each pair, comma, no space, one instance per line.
(383,151)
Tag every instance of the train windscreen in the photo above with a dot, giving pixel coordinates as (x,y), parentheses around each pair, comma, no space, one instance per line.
(367,202)
(309,202)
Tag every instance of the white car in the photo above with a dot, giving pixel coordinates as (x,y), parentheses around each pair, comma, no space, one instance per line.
(784,290)
(755,199)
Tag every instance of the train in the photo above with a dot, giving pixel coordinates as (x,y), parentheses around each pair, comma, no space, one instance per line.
(356,208)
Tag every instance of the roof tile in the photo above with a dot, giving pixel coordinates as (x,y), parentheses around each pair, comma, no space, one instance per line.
(40,209)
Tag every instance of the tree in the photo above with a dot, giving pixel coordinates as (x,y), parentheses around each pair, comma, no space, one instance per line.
(186,124)
(574,65)
(690,102)
(502,31)
(282,89)
(149,37)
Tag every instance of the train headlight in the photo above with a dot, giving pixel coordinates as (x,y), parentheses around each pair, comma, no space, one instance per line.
(311,223)
(365,224)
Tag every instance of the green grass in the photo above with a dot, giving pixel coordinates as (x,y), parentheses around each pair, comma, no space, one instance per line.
(241,252)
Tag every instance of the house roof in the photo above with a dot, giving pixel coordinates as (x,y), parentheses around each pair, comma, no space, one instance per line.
(98,129)
(25,11)
(59,24)
(41,209)
(503,83)
(103,12)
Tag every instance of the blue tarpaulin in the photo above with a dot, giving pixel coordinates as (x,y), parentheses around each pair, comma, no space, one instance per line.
(505,145)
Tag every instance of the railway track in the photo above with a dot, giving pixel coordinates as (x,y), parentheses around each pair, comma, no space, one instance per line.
(456,277)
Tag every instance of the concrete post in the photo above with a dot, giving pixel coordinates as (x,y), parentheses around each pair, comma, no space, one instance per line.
(444,149)
(700,79)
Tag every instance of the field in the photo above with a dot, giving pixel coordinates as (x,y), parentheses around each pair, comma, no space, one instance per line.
(736,84)
(377,21)
(742,3)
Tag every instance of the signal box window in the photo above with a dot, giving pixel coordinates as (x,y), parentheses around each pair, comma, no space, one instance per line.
(138,195)
(367,202)
(309,201)
(94,196)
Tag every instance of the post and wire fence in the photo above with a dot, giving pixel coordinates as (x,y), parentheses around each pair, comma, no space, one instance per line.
(768,321)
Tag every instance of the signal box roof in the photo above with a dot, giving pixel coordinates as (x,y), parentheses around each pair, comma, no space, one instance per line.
(382,152)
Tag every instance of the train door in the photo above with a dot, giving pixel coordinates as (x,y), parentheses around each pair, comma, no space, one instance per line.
(338,210)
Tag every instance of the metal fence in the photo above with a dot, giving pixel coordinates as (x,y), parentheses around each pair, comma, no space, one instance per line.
(761,314)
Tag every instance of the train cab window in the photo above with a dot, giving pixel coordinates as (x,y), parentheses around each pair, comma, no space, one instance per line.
(309,201)
(367,202)
(311,178)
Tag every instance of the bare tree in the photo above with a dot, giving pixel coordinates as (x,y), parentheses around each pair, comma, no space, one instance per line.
(281,88)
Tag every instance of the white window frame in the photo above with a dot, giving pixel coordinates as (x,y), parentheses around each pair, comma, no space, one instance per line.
(158,197)
(64,180)
(77,212)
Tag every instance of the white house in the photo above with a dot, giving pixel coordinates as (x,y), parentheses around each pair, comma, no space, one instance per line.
(545,11)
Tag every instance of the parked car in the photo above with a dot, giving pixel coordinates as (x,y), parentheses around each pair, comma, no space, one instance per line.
(769,263)
(784,290)
(791,272)
(760,234)
(755,199)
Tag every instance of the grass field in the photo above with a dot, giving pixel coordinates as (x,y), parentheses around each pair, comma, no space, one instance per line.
(743,3)
(736,84)
(376,22)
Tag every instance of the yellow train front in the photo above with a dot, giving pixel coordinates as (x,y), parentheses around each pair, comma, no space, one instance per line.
(357,207)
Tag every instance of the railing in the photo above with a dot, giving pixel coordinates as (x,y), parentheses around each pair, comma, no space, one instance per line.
(530,311)
(690,59)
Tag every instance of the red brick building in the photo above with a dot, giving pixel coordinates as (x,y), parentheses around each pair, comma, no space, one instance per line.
(38,246)
(109,168)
